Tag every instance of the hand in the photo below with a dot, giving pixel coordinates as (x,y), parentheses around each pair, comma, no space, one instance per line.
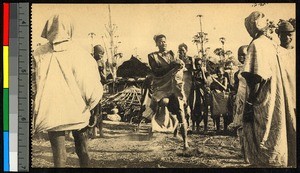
(214,76)
(178,63)
(208,89)
(174,64)
(262,146)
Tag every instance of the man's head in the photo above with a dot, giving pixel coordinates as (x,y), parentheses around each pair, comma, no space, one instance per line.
(182,49)
(198,63)
(160,41)
(242,52)
(229,65)
(285,33)
(98,52)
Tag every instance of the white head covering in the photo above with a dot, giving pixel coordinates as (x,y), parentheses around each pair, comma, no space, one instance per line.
(255,22)
(58,28)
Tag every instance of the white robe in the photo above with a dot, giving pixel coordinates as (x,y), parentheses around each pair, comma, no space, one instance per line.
(67,87)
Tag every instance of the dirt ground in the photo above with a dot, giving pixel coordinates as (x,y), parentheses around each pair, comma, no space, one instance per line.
(125,147)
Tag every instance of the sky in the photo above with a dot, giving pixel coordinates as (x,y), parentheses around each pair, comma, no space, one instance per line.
(138,23)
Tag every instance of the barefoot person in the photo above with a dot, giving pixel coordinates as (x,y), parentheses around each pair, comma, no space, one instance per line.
(187,79)
(67,86)
(168,82)
(240,86)
(201,91)
(219,102)
(98,54)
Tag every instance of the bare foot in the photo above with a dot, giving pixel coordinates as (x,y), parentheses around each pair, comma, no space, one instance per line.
(186,146)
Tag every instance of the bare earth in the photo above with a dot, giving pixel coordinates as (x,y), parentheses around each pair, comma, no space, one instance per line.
(125,147)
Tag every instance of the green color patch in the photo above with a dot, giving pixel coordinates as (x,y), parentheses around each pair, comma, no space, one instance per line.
(5,109)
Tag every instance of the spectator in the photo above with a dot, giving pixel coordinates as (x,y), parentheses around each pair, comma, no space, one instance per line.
(187,79)
(220,99)
(67,88)
(270,127)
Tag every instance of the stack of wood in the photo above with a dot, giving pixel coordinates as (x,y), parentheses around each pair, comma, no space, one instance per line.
(127,101)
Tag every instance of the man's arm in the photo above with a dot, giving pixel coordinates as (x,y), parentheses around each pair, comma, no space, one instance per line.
(254,82)
(157,71)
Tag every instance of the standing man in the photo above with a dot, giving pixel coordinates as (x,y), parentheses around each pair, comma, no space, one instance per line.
(242,52)
(201,98)
(286,33)
(270,128)
(229,74)
(187,79)
(67,85)
(168,83)
(240,86)
(98,56)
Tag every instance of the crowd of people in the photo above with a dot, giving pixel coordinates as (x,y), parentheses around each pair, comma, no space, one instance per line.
(258,99)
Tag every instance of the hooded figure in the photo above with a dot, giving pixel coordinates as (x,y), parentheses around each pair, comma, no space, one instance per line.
(58,28)
(67,85)
(256,23)
(269,119)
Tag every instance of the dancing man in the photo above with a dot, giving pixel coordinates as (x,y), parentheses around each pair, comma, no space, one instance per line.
(168,83)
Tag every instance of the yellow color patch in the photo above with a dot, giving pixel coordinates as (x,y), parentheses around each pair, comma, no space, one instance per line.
(5,67)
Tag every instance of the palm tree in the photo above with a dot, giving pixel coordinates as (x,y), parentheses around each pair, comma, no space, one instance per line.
(199,15)
(92,35)
(196,40)
(220,53)
(222,40)
(228,53)
(200,38)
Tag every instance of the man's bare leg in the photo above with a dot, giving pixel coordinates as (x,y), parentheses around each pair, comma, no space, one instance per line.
(183,131)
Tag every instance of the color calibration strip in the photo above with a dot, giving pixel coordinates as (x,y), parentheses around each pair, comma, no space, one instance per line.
(10,86)
(6,13)
(13,87)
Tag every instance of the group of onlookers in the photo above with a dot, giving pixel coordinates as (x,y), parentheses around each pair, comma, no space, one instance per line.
(67,88)
(259,98)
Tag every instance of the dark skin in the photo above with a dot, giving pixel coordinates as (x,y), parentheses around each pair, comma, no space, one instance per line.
(162,70)
(286,39)
(161,44)
(159,71)
(99,55)
(242,52)
(182,51)
(254,82)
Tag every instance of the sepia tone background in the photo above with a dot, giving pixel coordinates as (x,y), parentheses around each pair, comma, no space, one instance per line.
(138,23)
(136,26)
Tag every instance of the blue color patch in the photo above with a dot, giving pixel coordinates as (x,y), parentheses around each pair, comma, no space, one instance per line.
(6,150)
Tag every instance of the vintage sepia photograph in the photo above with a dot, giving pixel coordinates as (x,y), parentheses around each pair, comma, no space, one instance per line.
(163,85)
